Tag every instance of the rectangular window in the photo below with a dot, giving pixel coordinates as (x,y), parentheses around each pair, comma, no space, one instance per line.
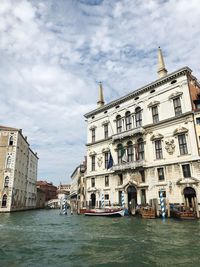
(142,174)
(161,175)
(106,197)
(186,170)
(164,193)
(120,179)
(158,148)
(177,106)
(155,114)
(93,163)
(119,124)
(197,120)
(93,182)
(106,131)
(143,196)
(93,135)
(106,155)
(106,180)
(120,198)
(182,144)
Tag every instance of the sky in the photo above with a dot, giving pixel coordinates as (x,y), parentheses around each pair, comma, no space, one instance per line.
(54,53)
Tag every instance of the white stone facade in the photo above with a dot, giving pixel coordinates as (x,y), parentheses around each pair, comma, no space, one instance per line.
(18,171)
(156,126)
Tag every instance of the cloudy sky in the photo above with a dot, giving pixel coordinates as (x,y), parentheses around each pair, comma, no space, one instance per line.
(54,53)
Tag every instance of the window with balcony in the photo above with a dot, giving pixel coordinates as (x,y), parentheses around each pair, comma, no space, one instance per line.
(155,114)
(158,149)
(140,149)
(106,158)
(161,175)
(138,117)
(106,131)
(128,120)
(177,106)
(119,153)
(6,182)
(106,180)
(8,162)
(119,124)
(182,144)
(130,151)
(93,162)
(93,135)
(93,182)
(4,201)
(186,170)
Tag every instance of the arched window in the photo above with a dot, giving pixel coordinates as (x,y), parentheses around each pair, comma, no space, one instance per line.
(138,116)
(6,181)
(4,201)
(128,120)
(8,162)
(119,124)
(119,153)
(140,149)
(11,141)
(130,151)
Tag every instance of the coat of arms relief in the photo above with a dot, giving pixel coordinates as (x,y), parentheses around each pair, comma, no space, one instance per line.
(170,146)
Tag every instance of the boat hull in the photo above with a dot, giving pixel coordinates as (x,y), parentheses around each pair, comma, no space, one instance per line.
(107,213)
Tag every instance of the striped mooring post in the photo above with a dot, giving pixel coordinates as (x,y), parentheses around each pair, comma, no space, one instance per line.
(102,200)
(64,206)
(122,196)
(162,204)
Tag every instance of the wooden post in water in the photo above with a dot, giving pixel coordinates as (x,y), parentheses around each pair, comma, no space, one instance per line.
(197,206)
(168,208)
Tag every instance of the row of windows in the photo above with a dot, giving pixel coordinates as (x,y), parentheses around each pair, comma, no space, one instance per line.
(160,173)
(138,118)
(128,154)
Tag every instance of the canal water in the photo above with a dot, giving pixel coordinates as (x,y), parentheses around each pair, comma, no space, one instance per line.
(45,238)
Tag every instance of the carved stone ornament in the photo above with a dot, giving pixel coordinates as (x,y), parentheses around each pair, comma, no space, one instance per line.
(180,130)
(176,94)
(156,136)
(170,146)
(153,103)
(99,161)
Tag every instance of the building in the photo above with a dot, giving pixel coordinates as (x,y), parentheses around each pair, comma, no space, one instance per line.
(63,191)
(41,197)
(77,190)
(18,171)
(49,189)
(146,142)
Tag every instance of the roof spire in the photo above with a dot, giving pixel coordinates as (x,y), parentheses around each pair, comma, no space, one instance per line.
(162,71)
(100,102)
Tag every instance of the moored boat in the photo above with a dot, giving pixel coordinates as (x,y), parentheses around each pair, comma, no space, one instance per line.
(105,212)
(183,212)
(147,212)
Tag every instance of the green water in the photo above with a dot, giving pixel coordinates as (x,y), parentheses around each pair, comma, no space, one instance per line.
(45,238)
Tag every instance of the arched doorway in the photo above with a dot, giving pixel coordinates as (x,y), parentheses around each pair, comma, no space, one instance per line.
(93,200)
(132,198)
(190,196)
(4,201)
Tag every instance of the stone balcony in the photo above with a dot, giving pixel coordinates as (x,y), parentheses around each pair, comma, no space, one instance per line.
(129,165)
(129,133)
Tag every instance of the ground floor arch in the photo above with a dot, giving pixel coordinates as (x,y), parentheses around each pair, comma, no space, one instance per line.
(132,198)
(93,199)
(190,196)
(4,201)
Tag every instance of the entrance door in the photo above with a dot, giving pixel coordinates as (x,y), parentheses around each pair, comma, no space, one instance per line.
(4,201)
(132,198)
(190,195)
(93,200)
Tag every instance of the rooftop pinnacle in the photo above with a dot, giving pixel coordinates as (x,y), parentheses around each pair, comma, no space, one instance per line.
(100,101)
(162,71)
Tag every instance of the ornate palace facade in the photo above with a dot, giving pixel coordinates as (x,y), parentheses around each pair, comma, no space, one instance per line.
(152,135)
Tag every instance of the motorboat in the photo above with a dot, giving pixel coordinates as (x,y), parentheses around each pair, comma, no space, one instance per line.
(105,212)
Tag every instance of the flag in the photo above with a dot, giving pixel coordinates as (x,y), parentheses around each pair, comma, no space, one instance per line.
(123,154)
(110,162)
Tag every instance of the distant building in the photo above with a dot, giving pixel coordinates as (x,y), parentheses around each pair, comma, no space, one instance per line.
(49,189)
(41,196)
(146,142)
(77,190)
(63,191)
(18,171)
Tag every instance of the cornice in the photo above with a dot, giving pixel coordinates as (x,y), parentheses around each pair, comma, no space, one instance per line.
(169,77)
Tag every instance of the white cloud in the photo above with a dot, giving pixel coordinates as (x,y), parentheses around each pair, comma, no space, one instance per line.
(54,52)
